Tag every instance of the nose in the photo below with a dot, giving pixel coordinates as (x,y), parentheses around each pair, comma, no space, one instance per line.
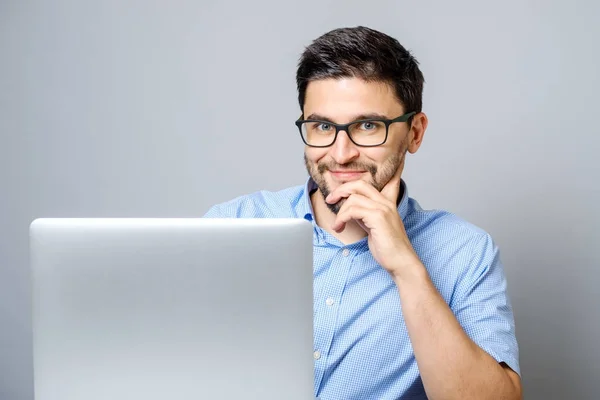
(343,150)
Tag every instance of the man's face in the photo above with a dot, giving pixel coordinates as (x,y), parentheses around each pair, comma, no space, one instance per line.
(343,101)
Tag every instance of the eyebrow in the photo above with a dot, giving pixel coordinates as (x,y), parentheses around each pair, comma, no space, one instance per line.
(356,118)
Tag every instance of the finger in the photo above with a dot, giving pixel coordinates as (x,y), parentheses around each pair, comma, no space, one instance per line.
(355,187)
(347,214)
(360,200)
(366,212)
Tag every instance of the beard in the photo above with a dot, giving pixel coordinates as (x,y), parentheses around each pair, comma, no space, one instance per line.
(379,175)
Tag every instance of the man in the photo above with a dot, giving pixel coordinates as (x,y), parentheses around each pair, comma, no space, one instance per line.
(409,303)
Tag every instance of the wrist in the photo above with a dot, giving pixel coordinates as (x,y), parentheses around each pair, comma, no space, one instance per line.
(409,272)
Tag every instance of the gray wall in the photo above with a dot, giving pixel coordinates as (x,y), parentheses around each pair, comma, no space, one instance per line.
(136,108)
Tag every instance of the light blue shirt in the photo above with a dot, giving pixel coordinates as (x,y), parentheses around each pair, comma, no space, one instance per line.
(361,343)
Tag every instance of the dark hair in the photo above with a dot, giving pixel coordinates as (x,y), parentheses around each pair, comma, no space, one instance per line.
(364,53)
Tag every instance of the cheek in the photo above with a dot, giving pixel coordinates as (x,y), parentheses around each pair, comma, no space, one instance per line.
(376,155)
(314,155)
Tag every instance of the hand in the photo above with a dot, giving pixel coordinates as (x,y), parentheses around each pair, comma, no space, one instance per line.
(376,212)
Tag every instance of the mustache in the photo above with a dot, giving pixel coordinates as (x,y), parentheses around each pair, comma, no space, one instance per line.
(372,169)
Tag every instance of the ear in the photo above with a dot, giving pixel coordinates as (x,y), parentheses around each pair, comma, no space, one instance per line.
(417,131)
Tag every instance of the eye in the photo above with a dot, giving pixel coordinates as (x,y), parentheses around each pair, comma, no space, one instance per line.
(323,127)
(368,126)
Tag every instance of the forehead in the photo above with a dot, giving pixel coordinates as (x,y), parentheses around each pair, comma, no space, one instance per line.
(343,99)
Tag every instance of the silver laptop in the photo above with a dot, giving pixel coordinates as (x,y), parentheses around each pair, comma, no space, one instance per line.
(144,309)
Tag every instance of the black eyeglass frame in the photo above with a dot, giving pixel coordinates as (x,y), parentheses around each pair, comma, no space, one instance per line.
(345,127)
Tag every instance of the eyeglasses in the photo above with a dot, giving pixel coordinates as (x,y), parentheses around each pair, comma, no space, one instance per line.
(364,133)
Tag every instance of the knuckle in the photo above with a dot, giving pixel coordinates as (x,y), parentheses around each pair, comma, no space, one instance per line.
(381,213)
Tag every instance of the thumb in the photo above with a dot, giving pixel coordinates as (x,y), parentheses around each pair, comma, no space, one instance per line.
(391,190)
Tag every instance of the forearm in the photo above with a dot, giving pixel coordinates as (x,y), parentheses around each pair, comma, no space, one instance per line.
(451,365)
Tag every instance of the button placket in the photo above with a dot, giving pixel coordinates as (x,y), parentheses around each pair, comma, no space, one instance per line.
(328,308)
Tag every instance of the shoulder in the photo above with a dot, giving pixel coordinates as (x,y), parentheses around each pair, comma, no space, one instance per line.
(281,203)
(442,225)
(451,245)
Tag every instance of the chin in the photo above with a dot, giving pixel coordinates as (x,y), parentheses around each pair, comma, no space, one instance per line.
(335,208)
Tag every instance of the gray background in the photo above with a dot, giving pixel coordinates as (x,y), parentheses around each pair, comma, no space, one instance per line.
(149,108)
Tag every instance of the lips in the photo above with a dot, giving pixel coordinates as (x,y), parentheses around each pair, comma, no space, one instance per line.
(345,175)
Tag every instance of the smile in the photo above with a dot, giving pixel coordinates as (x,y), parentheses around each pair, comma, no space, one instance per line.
(344,175)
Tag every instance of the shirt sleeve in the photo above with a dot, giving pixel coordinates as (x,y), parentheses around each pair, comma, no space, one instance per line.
(482,305)
(214,212)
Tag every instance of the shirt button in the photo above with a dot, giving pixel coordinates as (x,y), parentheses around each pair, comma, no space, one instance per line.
(329,301)
(317,355)
(345,252)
